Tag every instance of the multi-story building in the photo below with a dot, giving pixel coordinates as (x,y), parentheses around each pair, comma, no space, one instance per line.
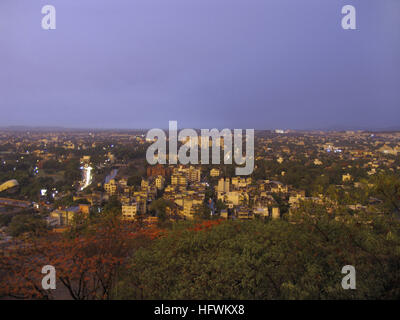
(193,174)
(65,217)
(158,170)
(111,187)
(244,213)
(223,185)
(178,179)
(144,184)
(214,172)
(159,182)
(129,211)
(275,213)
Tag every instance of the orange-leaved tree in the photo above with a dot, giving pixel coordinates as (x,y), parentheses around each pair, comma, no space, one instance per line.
(86,264)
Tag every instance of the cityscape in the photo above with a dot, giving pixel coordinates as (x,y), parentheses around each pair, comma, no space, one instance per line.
(58,184)
(204,157)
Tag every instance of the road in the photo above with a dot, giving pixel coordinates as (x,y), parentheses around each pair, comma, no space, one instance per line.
(87,174)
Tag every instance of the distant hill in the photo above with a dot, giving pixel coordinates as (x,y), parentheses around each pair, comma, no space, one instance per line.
(62,129)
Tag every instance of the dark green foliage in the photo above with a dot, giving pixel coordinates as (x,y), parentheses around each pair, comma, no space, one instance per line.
(5,219)
(134,180)
(113,207)
(24,223)
(159,208)
(301,259)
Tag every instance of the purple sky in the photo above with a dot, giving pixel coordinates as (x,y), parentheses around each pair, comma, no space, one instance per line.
(206,63)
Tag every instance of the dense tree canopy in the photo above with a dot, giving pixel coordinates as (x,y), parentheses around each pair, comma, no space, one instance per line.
(269,260)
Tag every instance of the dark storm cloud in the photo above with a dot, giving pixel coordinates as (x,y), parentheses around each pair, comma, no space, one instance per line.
(205,63)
